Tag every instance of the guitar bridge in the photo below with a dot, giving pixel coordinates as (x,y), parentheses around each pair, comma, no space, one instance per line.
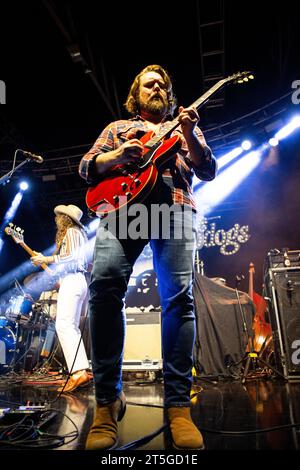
(102,201)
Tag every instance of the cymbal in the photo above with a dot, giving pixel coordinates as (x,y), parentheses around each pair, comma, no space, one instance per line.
(31,278)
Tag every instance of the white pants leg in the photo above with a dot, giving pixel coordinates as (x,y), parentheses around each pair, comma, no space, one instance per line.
(71,295)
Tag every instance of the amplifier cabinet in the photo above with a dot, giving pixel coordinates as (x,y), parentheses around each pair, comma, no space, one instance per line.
(283,290)
(143,348)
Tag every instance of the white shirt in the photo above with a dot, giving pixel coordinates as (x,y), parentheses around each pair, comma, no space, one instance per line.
(72,251)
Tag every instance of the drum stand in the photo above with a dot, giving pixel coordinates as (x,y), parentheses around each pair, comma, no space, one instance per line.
(251,356)
(16,350)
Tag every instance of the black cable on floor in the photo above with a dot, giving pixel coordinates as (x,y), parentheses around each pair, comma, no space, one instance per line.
(250,431)
(26,434)
(143,440)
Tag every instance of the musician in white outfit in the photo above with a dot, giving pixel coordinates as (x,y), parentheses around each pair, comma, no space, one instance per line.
(70,261)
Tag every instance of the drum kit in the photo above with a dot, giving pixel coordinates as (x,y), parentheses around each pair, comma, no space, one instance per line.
(27,331)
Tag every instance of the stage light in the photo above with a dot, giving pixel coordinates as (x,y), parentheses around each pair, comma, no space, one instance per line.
(228,157)
(214,192)
(246,145)
(221,161)
(24,185)
(10,213)
(273,142)
(288,129)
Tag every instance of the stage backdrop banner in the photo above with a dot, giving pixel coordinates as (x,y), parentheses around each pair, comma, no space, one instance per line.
(220,338)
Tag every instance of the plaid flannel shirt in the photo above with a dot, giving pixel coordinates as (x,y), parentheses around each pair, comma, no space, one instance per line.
(176,177)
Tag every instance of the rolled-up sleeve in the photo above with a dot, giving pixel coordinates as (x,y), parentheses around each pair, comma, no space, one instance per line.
(207,170)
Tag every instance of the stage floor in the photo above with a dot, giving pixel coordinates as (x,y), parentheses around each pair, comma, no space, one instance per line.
(217,408)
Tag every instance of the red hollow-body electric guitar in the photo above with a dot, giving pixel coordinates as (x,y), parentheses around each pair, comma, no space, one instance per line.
(132,182)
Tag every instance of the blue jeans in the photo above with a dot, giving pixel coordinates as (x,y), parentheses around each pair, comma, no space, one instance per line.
(174,263)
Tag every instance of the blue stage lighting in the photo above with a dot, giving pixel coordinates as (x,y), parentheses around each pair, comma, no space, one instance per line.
(10,213)
(228,157)
(24,185)
(288,129)
(273,142)
(214,192)
(246,145)
(221,161)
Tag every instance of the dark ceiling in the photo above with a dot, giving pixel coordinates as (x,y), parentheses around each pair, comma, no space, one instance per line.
(53,102)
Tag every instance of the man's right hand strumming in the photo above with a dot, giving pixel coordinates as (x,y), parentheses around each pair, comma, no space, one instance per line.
(126,153)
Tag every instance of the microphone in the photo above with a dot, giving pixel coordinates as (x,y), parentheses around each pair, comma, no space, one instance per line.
(32,156)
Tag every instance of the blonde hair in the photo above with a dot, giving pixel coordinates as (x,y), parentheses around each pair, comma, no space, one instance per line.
(63,222)
(132,104)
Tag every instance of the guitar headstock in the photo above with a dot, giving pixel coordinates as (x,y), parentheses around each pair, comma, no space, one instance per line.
(251,268)
(15,232)
(240,77)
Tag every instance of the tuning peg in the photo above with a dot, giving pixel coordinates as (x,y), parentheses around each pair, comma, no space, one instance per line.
(11,224)
(18,229)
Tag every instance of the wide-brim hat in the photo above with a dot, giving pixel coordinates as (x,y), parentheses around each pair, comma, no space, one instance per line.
(72,211)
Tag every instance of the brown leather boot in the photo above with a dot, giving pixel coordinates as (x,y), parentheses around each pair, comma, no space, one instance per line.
(103,432)
(185,434)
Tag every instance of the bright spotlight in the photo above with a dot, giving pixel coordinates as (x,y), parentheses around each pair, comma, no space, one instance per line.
(214,192)
(228,157)
(273,142)
(10,213)
(246,145)
(221,162)
(24,185)
(288,129)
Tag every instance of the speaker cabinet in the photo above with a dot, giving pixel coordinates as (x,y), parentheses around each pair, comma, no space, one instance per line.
(142,350)
(283,287)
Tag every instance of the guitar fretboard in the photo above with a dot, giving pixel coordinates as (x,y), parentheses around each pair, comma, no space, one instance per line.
(171,126)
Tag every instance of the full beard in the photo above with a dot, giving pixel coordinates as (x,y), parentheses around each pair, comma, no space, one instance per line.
(156,106)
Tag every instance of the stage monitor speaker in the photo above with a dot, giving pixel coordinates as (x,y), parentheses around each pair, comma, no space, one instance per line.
(283,289)
(142,350)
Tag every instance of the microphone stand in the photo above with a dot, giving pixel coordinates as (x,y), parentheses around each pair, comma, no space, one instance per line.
(5,178)
(199,263)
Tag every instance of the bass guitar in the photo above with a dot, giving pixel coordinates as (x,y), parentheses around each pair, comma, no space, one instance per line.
(262,329)
(132,182)
(16,234)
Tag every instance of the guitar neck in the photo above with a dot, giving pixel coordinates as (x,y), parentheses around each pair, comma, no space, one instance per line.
(32,253)
(197,104)
(251,275)
(27,248)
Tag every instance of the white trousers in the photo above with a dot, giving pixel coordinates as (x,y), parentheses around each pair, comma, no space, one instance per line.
(71,295)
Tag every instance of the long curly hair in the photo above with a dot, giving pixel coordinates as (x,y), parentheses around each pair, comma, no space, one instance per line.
(132,102)
(63,222)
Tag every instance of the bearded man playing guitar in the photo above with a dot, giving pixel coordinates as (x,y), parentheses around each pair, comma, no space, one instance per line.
(124,144)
